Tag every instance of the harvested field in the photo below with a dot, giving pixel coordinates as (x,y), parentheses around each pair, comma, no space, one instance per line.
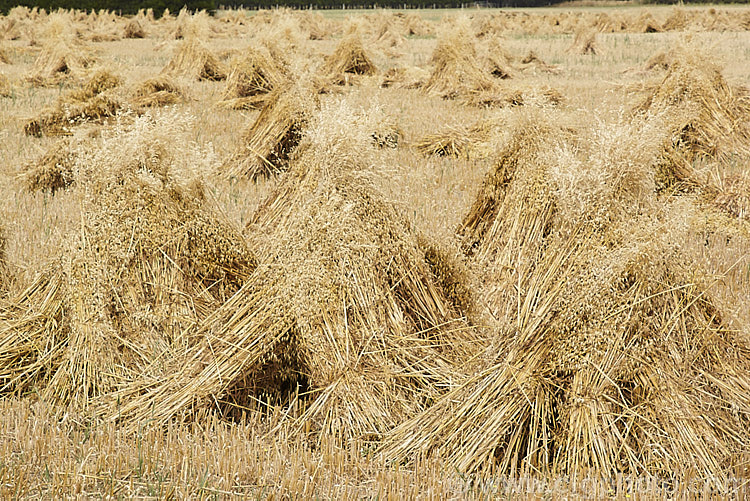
(487,253)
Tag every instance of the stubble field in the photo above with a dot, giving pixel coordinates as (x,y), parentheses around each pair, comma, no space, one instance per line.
(375,254)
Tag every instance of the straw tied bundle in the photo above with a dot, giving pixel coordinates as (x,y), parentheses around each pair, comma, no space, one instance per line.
(348,306)
(270,141)
(459,141)
(457,72)
(252,76)
(96,100)
(709,130)
(348,61)
(611,355)
(193,60)
(6,88)
(147,263)
(156,91)
(461,72)
(60,61)
(54,169)
(707,118)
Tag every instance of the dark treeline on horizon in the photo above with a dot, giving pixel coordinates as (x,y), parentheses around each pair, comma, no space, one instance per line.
(124,7)
(131,7)
(127,7)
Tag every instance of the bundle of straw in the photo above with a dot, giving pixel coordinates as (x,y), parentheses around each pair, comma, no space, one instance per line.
(276,132)
(193,60)
(457,70)
(705,115)
(6,89)
(134,29)
(584,43)
(458,141)
(149,261)
(611,356)
(157,91)
(54,169)
(252,76)
(58,62)
(349,57)
(404,78)
(93,102)
(348,308)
